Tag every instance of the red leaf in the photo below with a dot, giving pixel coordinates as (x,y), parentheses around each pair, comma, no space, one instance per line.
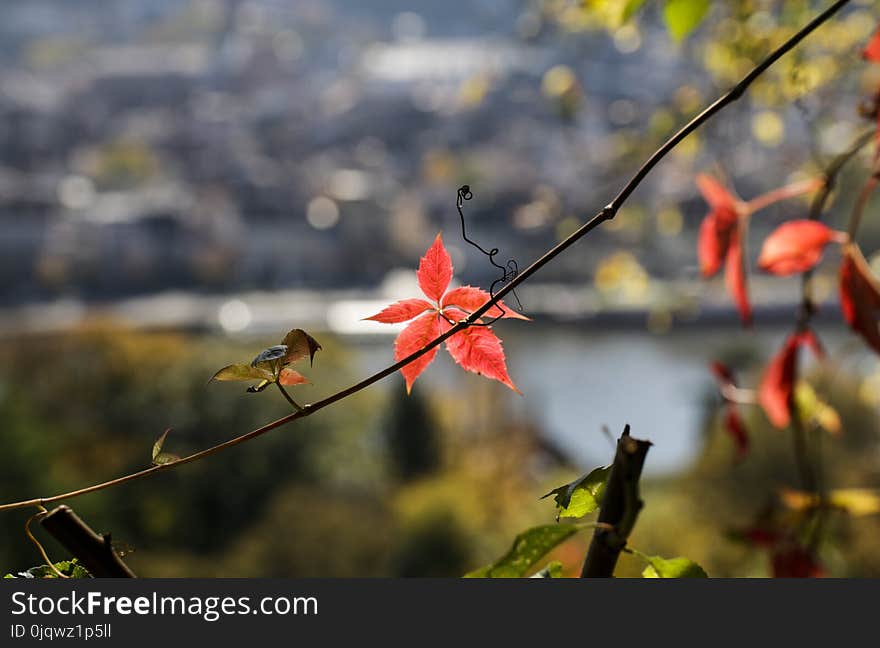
(435,270)
(777,385)
(795,562)
(860,296)
(872,49)
(795,246)
(402,311)
(477,349)
(721,201)
(415,336)
(469,299)
(711,246)
(735,427)
(735,277)
(291,377)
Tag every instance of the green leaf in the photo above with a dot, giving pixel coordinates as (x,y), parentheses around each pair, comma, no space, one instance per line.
(528,548)
(157,446)
(671,568)
(242,372)
(165,458)
(582,496)
(300,345)
(629,9)
(552,570)
(684,16)
(70,568)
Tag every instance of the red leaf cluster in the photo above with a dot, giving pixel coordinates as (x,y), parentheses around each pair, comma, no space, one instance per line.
(777,385)
(476,349)
(720,241)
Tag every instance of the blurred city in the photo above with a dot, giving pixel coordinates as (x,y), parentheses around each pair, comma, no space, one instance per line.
(183,181)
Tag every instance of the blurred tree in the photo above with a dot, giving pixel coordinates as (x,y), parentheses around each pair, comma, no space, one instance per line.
(411,435)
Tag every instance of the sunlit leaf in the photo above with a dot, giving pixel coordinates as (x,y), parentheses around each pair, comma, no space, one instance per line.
(795,246)
(672,568)
(70,568)
(775,393)
(813,409)
(157,446)
(299,345)
(582,496)
(552,570)
(289,377)
(165,458)
(528,548)
(435,270)
(478,350)
(242,372)
(684,16)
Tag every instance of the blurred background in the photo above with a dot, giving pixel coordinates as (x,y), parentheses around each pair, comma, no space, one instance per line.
(181,182)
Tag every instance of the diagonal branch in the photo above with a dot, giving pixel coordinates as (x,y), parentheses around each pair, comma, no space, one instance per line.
(606,214)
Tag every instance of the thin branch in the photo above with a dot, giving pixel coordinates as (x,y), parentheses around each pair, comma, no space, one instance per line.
(607,213)
(296,406)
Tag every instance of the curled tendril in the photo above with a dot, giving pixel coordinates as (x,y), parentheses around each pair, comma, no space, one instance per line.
(508,270)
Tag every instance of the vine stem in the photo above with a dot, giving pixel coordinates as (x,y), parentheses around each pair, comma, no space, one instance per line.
(606,214)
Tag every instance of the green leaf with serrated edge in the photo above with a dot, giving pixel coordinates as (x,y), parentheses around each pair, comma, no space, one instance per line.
(300,345)
(629,9)
(157,446)
(528,548)
(671,567)
(582,496)
(552,570)
(684,16)
(242,372)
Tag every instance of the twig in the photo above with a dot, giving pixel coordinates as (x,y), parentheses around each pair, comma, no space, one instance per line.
(607,213)
(93,551)
(620,507)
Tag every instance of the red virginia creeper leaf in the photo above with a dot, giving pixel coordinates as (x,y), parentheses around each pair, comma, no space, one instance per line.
(416,335)
(469,299)
(872,49)
(721,201)
(711,246)
(478,350)
(401,311)
(735,276)
(435,270)
(795,246)
(777,385)
(860,296)
(291,377)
